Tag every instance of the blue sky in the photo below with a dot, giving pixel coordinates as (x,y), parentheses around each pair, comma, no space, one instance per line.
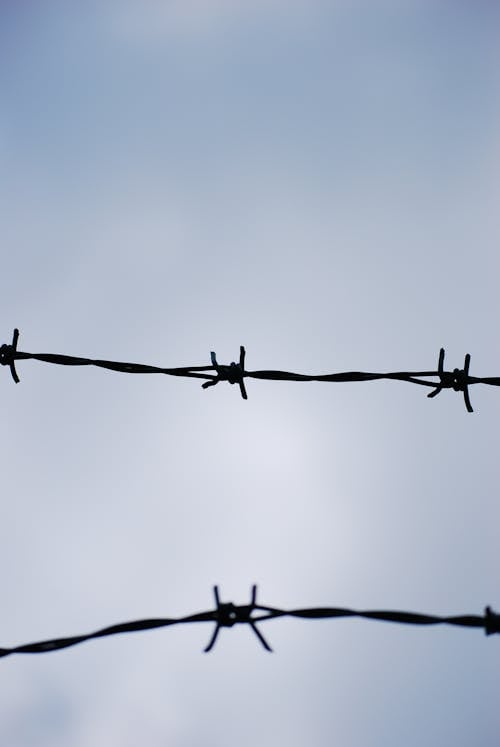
(319,182)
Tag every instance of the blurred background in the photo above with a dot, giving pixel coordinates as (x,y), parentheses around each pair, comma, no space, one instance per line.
(318,181)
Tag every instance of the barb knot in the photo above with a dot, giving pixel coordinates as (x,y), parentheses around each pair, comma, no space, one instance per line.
(234,373)
(491,621)
(228,614)
(458,379)
(8,355)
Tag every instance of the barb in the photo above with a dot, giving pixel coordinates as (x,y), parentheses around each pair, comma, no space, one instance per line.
(8,355)
(235,373)
(226,615)
(458,380)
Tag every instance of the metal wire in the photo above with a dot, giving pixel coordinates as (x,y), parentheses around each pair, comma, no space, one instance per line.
(226,615)
(459,379)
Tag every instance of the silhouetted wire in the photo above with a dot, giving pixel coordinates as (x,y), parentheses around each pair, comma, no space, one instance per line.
(459,379)
(227,614)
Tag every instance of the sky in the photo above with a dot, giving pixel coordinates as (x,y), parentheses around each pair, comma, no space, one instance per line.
(317,181)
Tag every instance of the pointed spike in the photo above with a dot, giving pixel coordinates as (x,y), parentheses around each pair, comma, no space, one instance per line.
(441,361)
(216,595)
(212,641)
(254,595)
(260,637)
(467,364)
(467,399)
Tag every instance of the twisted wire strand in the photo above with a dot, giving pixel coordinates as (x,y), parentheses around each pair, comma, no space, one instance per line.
(459,379)
(226,615)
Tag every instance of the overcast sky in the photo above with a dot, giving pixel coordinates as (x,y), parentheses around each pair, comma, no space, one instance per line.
(318,181)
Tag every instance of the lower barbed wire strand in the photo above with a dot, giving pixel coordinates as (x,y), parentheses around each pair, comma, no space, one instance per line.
(227,615)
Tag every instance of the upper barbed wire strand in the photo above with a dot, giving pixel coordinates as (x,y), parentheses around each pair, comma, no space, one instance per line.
(459,379)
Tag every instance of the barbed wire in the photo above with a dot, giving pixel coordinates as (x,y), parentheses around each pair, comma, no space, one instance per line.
(227,614)
(235,373)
